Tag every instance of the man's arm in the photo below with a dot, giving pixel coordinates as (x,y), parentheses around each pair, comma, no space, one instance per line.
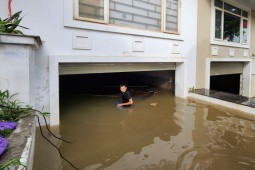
(126,104)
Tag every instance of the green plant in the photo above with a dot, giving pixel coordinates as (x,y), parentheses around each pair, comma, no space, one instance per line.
(9,25)
(192,90)
(14,162)
(12,110)
(5,132)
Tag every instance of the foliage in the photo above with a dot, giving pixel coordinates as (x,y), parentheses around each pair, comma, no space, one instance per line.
(9,25)
(5,132)
(192,90)
(231,26)
(12,110)
(15,162)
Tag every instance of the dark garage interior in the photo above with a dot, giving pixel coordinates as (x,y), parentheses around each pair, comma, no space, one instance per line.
(108,83)
(226,83)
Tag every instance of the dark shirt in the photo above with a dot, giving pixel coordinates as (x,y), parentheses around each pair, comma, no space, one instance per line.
(126,97)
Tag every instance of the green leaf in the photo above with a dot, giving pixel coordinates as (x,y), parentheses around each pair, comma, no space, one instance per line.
(45,113)
(17,32)
(14,16)
(12,162)
(10,24)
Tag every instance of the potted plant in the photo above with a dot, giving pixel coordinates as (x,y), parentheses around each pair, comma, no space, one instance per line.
(10,24)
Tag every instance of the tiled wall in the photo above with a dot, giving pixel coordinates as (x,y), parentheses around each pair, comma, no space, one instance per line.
(224,52)
(144,14)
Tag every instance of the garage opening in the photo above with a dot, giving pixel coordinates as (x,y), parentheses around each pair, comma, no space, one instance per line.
(226,83)
(88,108)
(226,77)
(82,77)
(108,83)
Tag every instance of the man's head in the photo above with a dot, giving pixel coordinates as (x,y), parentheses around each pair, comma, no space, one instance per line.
(123,88)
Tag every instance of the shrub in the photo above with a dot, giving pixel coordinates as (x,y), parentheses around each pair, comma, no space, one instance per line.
(12,110)
(9,25)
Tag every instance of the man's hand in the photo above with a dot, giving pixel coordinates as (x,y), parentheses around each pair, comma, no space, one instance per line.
(119,105)
(126,104)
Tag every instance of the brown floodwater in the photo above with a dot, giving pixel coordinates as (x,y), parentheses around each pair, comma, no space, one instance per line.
(160,132)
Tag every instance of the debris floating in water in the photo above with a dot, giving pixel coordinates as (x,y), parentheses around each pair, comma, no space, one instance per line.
(154,104)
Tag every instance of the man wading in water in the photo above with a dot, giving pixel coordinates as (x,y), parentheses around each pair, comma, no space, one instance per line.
(126,97)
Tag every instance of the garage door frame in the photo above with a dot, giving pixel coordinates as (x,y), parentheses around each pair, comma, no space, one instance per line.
(181,89)
(247,72)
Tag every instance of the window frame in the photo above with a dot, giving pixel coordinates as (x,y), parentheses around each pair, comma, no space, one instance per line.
(221,41)
(106,20)
(106,13)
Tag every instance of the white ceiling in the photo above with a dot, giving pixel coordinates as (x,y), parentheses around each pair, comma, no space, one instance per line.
(250,3)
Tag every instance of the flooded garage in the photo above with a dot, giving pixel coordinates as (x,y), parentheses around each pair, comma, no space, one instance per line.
(160,131)
(227,77)
(226,83)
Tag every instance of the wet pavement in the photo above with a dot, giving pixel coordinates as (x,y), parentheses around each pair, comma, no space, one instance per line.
(246,101)
(159,132)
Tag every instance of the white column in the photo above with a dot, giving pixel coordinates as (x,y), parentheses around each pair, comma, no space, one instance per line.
(17,66)
(181,87)
(247,73)
(54,90)
(208,73)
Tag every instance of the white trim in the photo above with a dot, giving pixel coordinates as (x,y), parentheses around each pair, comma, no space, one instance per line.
(214,59)
(180,76)
(229,44)
(26,153)
(69,21)
(163,15)
(164,18)
(70,58)
(248,110)
(76,13)
(247,72)
(208,74)
(221,42)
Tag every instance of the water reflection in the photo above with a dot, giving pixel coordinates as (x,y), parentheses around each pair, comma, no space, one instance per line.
(174,134)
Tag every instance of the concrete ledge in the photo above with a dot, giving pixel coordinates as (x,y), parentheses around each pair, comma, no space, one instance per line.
(233,106)
(34,41)
(21,143)
(230,59)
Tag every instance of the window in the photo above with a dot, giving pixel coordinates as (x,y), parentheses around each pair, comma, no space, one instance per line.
(245,31)
(92,10)
(231,28)
(218,24)
(156,15)
(231,23)
(171,16)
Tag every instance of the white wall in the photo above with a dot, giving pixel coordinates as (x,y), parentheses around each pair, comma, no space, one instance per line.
(253,79)
(46,19)
(16,56)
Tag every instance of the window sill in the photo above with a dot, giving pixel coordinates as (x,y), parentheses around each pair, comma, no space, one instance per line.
(120,30)
(70,22)
(230,59)
(230,44)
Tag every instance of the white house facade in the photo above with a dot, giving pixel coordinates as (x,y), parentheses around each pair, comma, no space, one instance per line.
(85,36)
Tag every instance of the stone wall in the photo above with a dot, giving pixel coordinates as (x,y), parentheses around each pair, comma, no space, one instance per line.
(21,143)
